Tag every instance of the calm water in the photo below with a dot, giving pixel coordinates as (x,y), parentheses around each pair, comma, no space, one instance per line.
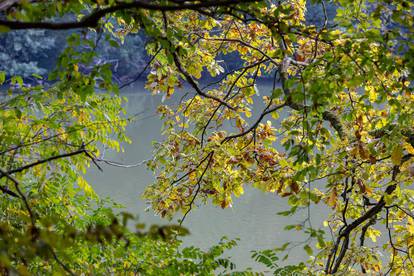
(252,218)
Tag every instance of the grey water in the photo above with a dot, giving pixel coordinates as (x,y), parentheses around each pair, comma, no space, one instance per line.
(253,217)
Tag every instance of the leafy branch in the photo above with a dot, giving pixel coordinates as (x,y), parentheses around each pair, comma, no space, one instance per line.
(91,20)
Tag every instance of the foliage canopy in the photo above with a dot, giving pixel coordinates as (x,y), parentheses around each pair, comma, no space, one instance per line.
(336,129)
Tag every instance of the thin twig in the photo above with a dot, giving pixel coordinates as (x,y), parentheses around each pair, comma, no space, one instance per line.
(22,196)
(198,184)
(142,71)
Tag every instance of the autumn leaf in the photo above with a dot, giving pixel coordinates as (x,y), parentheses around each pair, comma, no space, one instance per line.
(409,148)
(331,201)
(294,186)
(396,155)
(410,225)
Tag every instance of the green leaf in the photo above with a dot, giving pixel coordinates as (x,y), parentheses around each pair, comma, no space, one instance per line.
(4,29)
(2,77)
(113,43)
(396,155)
(37,76)
(17,80)
(276,93)
(308,250)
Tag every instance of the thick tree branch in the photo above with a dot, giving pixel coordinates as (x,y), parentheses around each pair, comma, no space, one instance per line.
(6,190)
(364,230)
(39,162)
(371,213)
(91,20)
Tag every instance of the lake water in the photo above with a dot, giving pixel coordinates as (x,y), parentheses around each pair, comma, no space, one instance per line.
(252,218)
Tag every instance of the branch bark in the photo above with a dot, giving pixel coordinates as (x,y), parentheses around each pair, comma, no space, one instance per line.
(91,20)
(192,82)
(345,232)
(267,111)
(39,162)
(22,196)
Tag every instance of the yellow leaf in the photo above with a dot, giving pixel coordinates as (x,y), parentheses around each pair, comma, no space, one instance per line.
(275,115)
(83,184)
(192,176)
(368,190)
(238,191)
(409,148)
(410,226)
(376,267)
(239,123)
(397,155)
(332,198)
(373,234)
(410,241)
(372,94)
(248,113)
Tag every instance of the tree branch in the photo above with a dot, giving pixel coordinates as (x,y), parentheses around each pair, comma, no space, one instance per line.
(245,69)
(192,82)
(346,231)
(142,71)
(39,162)
(22,196)
(198,184)
(64,267)
(6,190)
(256,124)
(327,115)
(91,20)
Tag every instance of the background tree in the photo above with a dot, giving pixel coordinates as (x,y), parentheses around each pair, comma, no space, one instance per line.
(336,129)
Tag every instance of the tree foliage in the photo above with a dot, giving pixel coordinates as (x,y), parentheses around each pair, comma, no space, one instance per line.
(335,130)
